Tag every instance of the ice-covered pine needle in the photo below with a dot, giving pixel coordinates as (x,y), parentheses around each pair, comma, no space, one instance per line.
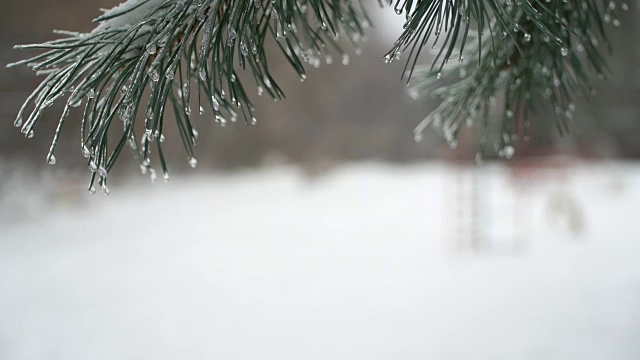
(529,53)
(146,57)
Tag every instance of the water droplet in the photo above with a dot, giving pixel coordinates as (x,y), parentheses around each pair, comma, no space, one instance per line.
(193,162)
(508,151)
(92,190)
(231,35)
(51,160)
(105,189)
(345,59)
(153,74)
(148,134)
(267,81)
(244,49)
(151,48)
(102,171)
(564,51)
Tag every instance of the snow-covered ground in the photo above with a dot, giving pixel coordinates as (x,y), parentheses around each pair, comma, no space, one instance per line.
(367,262)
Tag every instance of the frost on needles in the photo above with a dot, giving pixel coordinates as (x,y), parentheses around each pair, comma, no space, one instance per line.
(145,55)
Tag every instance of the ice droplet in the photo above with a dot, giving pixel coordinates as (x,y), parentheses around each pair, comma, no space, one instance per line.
(154,75)
(244,49)
(345,59)
(508,151)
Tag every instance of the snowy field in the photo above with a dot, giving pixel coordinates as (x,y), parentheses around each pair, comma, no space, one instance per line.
(367,262)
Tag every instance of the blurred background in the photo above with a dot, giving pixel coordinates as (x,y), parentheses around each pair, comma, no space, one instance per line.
(324,231)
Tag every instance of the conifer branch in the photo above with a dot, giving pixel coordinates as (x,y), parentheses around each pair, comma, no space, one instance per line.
(145,55)
(166,48)
(530,52)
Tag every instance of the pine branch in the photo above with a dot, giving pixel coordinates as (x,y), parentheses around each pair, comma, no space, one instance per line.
(165,47)
(529,52)
(147,54)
